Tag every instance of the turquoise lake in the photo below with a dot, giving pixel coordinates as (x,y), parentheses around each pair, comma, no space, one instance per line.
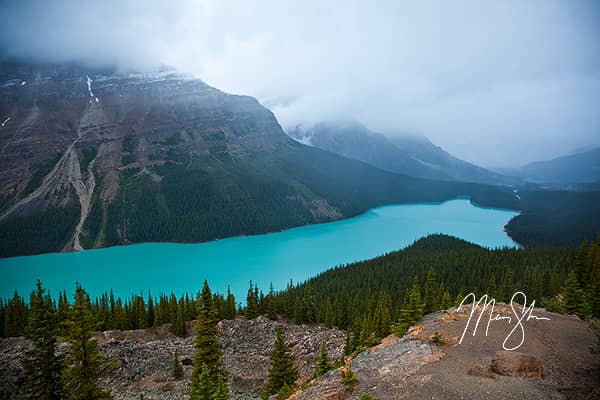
(297,253)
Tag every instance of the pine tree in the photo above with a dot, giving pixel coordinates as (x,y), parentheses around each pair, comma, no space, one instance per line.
(411,310)
(178,328)
(229,305)
(446,300)
(348,347)
(574,297)
(383,315)
(208,366)
(270,306)
(283,371)
(251,302)
(309,304)
(151,312)
(112,304)
(322,365)
(220,391)
(430,293)
(84,360)
(43,367)
(349,379)
(15,318)
(176,367)
(507,286)
(203,388)
(62,312)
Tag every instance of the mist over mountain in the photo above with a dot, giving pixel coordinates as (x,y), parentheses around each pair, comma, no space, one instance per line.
(408,154)
(498,85)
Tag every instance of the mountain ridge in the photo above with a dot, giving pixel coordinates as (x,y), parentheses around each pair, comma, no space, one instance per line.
(413,155)
(578,168)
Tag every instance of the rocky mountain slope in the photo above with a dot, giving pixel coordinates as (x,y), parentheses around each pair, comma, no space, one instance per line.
(97,157)
(406,154)
(554,361)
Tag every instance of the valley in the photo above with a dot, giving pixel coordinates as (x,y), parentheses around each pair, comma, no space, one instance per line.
(278,200)
(95,158)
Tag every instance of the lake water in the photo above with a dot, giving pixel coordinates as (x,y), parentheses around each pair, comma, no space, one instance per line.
(296,254)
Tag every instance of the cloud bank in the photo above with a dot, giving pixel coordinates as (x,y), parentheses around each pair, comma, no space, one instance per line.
(497,83)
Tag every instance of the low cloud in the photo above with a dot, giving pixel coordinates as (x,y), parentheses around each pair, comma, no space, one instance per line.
(497,83)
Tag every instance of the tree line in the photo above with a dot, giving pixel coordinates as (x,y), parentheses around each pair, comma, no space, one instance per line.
(366,298)
(55,374)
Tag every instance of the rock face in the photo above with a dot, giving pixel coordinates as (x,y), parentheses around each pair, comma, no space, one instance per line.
(555,352)
(521,365)
(80,140)
(11,373)
(382,371)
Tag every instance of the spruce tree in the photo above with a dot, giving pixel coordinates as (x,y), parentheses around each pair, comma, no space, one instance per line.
(574,297)
(446,300)
(15,318)
(178,328)
(431,298)
(252,302)
(221,392)
(151,312)
(176,367)
(411,310)
(349,379)
(348,347)
(383,316)
(83,360)
(203,388)
(62,311)
(507,286)
(270,303)
(322,365)
(208,366)
(230,311)
(283,371)
(43,367)
(309,305)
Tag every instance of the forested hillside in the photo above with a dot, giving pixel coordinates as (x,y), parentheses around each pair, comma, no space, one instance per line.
(555,218)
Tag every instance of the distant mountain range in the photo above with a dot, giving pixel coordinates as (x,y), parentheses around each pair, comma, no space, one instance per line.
(582,167)
(411,155)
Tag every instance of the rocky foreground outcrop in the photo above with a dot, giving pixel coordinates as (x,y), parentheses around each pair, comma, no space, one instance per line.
(554,361)
(427,363)
(141,360)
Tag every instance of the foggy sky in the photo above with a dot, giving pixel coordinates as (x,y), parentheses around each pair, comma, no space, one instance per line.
(499,83)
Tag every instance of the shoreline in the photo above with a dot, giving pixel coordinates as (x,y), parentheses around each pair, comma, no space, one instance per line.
(345,218)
